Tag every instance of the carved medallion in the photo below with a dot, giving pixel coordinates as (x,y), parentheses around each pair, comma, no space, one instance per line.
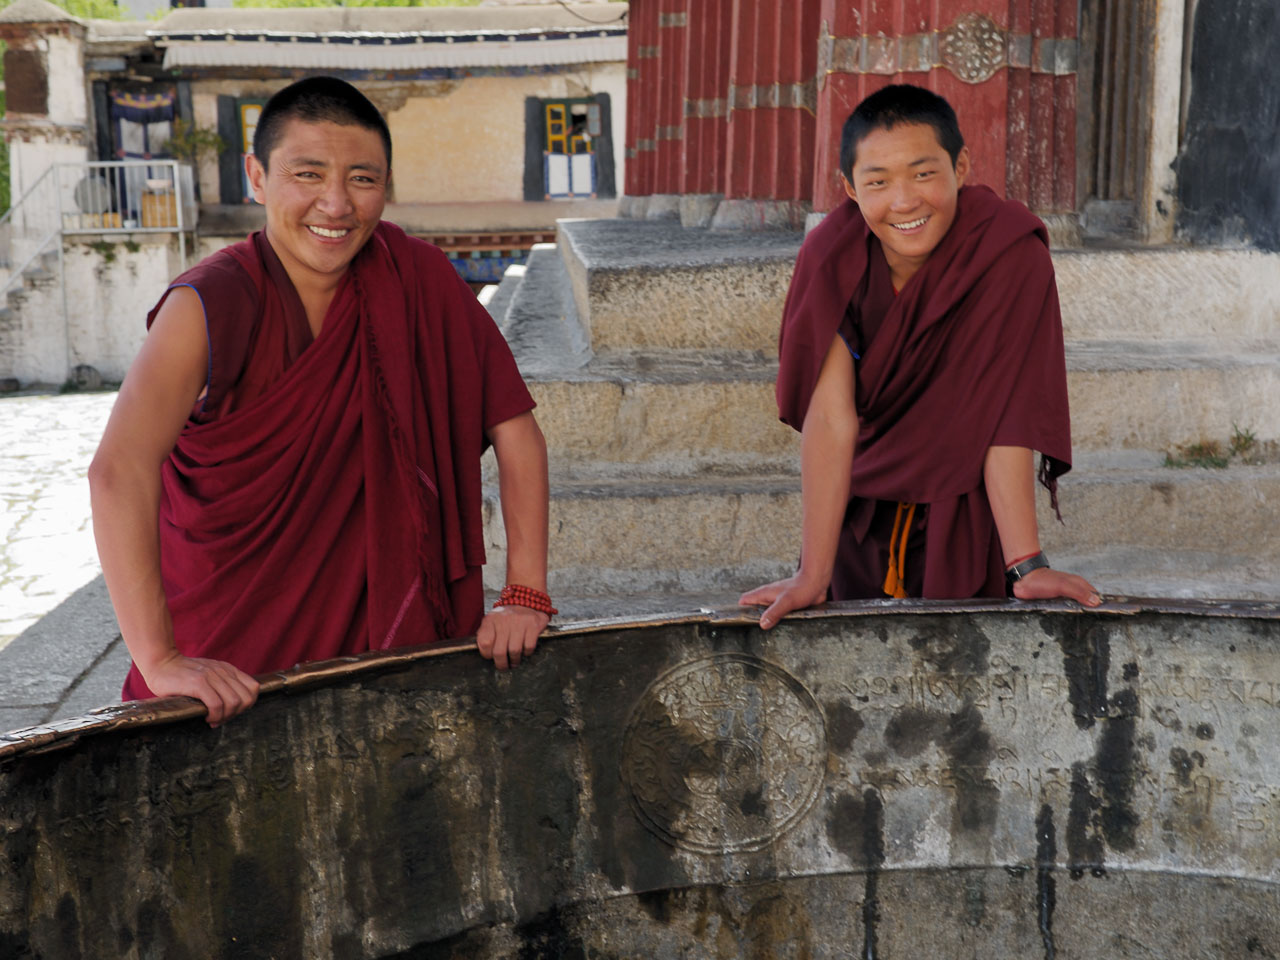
(973,48)
(724,754)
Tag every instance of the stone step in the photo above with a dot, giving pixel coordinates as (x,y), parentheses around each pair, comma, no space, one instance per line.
(1135,572)
(645,284)
(670,413)
(715,533)
(681,535)
(1168,294)
(653,284)
(681,412)
(1157,509)
(1160,395)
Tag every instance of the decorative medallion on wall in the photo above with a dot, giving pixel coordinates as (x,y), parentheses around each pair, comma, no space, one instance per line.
(724,754)
(973,48)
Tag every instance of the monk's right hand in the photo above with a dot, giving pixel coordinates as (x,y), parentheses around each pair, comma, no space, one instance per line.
(783,596)
(225,690)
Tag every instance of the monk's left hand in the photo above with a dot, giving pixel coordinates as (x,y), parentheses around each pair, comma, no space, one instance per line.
(1048,584)
(508,634)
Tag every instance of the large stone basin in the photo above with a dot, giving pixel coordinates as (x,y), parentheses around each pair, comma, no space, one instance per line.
(884,780)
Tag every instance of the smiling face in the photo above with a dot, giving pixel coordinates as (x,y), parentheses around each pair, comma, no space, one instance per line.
(906,187)
(324,187)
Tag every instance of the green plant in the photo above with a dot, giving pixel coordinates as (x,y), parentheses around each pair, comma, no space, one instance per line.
(190,142)
(133,246)
(1206,453)
(1243,442)
(105,249)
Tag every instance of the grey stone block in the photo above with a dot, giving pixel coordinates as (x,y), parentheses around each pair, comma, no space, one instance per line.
(43,662)
(657,285)
(698,209)
(744,214)
(663,206)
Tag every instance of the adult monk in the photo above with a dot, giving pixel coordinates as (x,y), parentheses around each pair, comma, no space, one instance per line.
(921,343)
(292,468)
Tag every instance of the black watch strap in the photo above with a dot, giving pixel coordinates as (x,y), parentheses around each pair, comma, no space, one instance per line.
(1020,570)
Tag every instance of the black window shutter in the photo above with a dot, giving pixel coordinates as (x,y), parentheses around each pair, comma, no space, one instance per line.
(534,143)
(606,179)
(230,175)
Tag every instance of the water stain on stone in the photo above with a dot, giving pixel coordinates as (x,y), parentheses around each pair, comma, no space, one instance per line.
(975,899)
(548,935)
(843,726)
(777,925)
(960,647)
(873,853)
(1086,659)
(1204,731)
(1182,765)
(1084,845)
(1118,766)
(1046,885)
(970,751)
(753,804)
(911,729)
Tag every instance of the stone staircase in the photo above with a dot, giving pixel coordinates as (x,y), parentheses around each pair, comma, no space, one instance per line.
(30,300)
(651,351)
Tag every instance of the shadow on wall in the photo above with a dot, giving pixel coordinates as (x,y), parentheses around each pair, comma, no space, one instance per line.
(1229,169)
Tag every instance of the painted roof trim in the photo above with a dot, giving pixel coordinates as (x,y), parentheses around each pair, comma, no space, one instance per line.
(395,53)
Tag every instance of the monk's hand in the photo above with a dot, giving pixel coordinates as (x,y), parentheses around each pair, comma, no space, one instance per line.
(224,689)
(783,596)
(1048,584)
(509,634)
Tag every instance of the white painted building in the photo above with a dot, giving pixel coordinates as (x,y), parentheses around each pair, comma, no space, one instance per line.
(503,119)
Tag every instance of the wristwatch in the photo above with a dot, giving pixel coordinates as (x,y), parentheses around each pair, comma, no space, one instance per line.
(1020,570)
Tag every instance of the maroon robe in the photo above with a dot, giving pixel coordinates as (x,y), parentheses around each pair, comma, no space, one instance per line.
(968,355)
(324,498)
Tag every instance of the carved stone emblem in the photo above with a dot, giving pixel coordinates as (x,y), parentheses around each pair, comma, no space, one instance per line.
(973,48)
(724,754)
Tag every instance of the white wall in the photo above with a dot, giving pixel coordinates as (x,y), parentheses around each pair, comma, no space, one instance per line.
(109,290)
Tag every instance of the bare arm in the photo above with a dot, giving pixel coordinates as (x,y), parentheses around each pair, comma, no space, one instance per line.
(827,442)
(1009,475)
(124,482)
(509,633)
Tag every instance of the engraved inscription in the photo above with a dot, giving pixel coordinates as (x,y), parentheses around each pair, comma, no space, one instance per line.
(724,754)
(973,48)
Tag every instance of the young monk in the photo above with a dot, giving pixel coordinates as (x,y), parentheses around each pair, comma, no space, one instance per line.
(921,358)
(292,469)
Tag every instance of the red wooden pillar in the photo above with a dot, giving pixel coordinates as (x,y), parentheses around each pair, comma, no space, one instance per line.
(743,59)
(705,109)
(1066,63)
(771,103)
(797,32)
(672,32)
(642,97)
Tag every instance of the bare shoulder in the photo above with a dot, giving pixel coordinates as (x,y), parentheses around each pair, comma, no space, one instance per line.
(164,381)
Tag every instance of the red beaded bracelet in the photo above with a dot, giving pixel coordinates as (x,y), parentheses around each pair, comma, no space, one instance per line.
(520,596)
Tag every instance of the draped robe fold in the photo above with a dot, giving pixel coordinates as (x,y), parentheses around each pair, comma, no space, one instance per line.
(968,355)
(324,498)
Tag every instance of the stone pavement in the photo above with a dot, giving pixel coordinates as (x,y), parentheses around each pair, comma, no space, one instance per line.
(60,653)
